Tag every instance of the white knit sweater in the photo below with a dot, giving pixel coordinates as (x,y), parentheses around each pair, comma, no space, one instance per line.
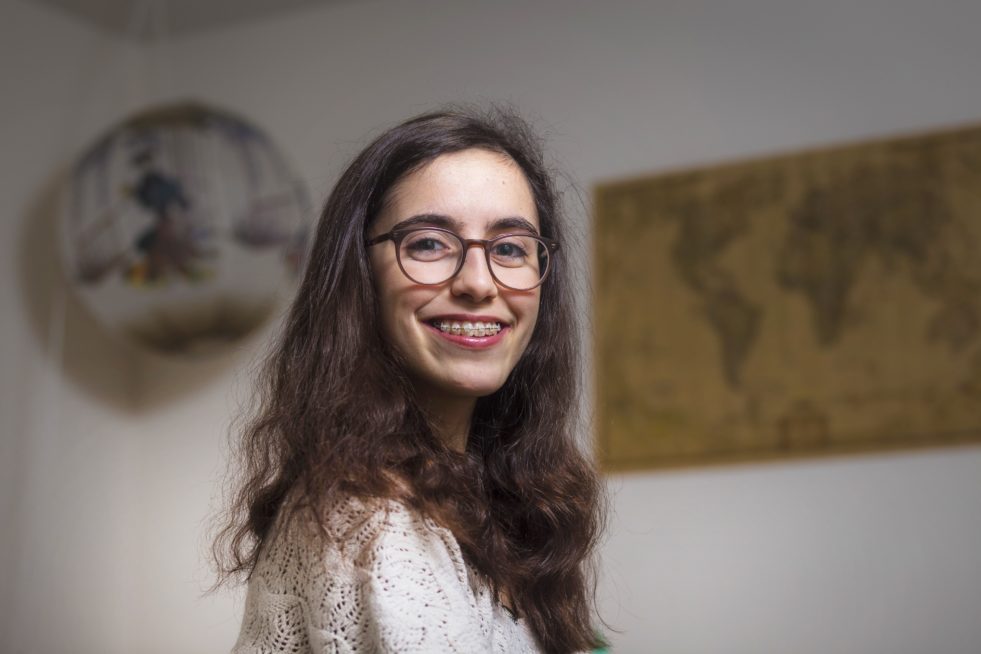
(391,582)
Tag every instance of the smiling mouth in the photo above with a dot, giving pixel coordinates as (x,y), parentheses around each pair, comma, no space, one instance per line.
(467,328)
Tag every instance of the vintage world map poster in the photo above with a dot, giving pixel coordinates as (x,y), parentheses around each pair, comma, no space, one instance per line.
(822,302)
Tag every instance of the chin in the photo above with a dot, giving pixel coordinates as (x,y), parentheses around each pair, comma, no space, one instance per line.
(474,391)
(469,387)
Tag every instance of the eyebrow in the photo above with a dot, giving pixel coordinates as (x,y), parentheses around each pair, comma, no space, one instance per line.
(446,222)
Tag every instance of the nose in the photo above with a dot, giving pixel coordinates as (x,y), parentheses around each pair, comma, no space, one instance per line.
(474,279)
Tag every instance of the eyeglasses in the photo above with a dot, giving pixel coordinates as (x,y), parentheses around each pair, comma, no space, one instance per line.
(432,255)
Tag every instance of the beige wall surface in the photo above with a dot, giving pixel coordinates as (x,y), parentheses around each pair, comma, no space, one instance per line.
(109,459)
(69,448)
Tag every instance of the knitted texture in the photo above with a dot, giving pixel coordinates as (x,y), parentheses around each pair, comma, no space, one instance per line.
(385,580)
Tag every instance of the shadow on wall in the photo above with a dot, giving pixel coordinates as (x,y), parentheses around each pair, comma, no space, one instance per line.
(102,365)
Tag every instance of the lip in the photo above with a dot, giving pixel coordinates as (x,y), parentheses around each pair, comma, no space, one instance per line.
(469,342)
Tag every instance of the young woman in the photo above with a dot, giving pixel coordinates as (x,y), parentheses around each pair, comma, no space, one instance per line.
(410,479)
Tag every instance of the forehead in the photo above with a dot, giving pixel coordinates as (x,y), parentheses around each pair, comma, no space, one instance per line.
(475,188)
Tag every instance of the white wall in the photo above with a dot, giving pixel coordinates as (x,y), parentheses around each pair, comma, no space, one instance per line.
(68,447)
(870,554)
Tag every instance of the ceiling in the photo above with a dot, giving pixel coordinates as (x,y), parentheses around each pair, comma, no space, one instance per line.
(150,19)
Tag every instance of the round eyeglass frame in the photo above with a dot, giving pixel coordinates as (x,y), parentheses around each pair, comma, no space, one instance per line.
(397,235)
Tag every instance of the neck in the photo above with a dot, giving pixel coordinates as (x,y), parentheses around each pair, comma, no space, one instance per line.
(450,417)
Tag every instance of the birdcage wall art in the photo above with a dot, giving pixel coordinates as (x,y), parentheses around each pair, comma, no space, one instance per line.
(182,227)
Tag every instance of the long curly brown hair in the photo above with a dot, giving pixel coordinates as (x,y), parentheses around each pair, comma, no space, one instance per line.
(337,411)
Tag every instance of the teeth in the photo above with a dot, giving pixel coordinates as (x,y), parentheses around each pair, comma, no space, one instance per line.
(467,328)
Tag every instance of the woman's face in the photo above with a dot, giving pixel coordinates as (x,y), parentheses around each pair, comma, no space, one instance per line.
(478,194)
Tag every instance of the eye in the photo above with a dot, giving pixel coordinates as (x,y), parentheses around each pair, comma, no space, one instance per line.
(429,246)
(422,244)
(512,249)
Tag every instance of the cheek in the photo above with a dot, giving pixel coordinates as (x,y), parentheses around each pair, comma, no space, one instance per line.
(395,312)
(529,308)
(386,280)
(399,304)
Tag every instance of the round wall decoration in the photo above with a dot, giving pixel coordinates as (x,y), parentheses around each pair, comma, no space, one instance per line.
(182,227)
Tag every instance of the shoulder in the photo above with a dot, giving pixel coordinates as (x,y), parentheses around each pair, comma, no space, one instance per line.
(353,535)
(373,575)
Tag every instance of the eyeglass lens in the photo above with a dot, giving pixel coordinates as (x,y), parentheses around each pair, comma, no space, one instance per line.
(431,257)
